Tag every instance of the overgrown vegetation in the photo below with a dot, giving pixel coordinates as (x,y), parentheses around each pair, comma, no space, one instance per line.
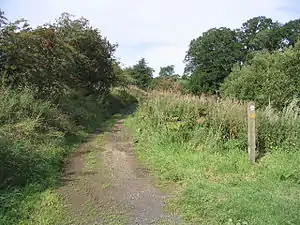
(201,145)
(165,84)
(56,85)
(60,81)
(269,78)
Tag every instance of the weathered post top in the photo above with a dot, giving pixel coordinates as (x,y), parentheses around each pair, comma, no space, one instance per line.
(251,132)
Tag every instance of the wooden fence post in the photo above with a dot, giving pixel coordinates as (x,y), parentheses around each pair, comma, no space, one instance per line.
(251,132)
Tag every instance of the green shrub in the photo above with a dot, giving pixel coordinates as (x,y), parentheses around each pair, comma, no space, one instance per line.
(25,124)
(269,79)
(50,59)
(165,84)
(120,98)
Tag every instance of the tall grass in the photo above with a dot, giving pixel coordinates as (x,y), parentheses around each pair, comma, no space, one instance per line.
(201,145)
(35,137)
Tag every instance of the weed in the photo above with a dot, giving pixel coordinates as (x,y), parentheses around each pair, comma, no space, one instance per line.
(202,146)
(35,137)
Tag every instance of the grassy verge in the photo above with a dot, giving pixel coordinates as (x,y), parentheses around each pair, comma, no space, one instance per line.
(35,137)
(201,146)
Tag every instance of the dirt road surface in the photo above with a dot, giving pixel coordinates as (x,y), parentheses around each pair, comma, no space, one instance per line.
(103,183)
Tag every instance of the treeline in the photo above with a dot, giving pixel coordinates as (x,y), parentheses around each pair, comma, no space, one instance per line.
(258,61)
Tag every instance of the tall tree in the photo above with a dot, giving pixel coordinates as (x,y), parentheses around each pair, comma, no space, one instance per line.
(141,73)
(167,71)
(291,32)
(260,33)
(3,22)
(95,71)
(210,58)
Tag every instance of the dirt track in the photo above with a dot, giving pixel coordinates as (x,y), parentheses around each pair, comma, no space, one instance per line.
(104,183)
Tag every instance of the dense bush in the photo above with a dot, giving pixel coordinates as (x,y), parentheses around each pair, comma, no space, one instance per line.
(269,78)
(53,58)
(165,84)
(33,132)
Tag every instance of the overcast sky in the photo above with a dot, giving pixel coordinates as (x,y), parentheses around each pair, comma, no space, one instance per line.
(159,30)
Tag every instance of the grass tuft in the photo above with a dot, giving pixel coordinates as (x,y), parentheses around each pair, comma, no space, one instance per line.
(35,137)
(201,145)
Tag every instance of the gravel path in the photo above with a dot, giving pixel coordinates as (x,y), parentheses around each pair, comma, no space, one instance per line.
(104,183)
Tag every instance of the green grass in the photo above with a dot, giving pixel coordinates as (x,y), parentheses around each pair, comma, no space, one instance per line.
(216,184)
(35,138)
(33,204)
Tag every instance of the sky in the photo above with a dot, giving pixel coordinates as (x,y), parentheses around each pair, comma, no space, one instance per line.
(159,30)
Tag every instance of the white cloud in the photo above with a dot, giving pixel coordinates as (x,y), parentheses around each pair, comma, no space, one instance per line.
(159,30)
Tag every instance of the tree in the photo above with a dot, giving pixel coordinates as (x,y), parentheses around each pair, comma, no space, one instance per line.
(124,76)
(210,58)
(260,33)
(291,32)
(53,58)
(94,70)
(3,19)
(167,71)
(269,78)
(141,73)
(3,22)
